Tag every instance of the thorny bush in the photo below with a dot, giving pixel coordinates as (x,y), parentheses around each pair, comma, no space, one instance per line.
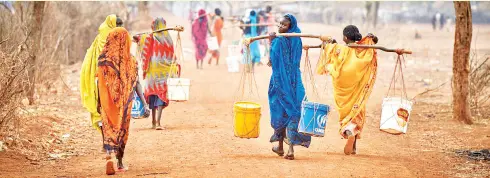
(480,86)
(68,29)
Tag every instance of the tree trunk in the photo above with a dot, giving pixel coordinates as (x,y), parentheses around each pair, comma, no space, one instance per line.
(142,8)
(35,25)
(375,14)
(367,19)
(461,62)
(230,10)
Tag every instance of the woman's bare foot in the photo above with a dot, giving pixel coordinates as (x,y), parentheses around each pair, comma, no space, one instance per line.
(153,124)
(349,146)
(354,147)
(159,128)
(278,151)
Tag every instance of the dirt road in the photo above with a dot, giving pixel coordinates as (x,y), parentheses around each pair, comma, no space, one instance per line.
(199,142)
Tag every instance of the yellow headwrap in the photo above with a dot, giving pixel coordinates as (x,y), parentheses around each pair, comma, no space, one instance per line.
(88,85)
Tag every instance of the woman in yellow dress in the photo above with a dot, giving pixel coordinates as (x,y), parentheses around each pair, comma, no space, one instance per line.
(88,84)
(353,71)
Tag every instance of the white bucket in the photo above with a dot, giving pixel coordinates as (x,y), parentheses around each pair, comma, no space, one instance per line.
(133,49)
(178,89)
(212,43)
(262,50)
(233,63)
(391,122)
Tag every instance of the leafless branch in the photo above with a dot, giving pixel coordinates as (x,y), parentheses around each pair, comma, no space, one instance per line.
(5,40)
(432,89)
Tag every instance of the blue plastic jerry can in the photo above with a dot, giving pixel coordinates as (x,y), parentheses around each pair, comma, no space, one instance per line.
(138,108)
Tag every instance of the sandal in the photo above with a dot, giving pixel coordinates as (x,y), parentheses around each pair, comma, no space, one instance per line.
(289,157)
(123,169)
(159,128)
(109,166)
(349,146)
(278,152)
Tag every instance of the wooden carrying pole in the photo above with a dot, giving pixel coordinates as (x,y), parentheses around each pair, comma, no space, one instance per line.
(250,25)
(400,51)
(247,41)
(177,28)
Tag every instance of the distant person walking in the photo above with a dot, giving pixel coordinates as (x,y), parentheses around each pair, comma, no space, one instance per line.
(199,35)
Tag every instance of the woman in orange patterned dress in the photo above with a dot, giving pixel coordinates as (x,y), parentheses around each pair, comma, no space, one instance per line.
(117,76)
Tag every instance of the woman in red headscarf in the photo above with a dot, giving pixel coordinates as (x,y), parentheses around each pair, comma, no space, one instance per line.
(199,33)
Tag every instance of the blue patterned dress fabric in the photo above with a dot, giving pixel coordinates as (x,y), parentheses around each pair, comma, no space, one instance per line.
(286,90)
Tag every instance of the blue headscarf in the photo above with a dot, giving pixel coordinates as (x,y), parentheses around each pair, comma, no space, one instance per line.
(294,24)
(296,43)
(286,86)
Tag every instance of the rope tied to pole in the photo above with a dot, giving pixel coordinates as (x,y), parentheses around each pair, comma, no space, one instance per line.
(399,51)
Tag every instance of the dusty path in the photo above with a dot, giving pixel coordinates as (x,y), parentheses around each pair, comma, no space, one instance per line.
(198,140)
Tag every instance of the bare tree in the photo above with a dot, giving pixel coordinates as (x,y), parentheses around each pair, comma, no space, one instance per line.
(142,8)
(35,24)
(375,13)
(461,62)
(230,5)
(371,13)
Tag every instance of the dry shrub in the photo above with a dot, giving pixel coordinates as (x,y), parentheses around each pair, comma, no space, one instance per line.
(69,29)
(480,86)
(12,82)
(67,32)
(13,77)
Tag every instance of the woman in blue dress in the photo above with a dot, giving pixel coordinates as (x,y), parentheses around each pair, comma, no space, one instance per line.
(286,90)
(251,31)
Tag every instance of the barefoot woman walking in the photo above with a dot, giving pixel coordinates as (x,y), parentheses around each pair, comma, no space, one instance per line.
(353,71)
(199,35)
(156,51)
